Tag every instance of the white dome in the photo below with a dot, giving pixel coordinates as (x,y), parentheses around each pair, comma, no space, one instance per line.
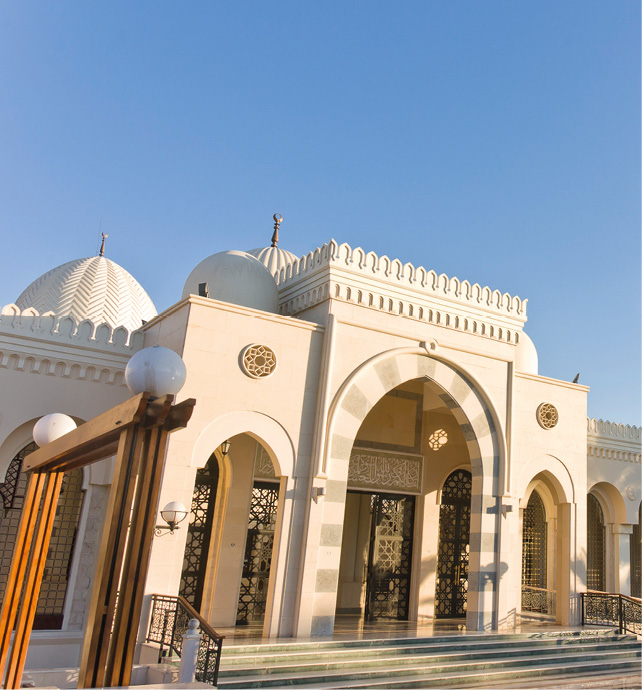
(526,360)
(273,258)
(235,277)
(94,288)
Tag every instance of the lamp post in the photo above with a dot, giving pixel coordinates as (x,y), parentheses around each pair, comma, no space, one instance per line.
(136,431)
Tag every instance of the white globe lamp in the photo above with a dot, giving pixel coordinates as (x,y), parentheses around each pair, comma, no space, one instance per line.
(52,426)
(156,370)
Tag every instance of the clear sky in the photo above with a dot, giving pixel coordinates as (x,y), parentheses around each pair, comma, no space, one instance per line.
(497,141)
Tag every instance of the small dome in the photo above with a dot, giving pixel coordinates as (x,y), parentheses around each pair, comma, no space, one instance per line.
(526,360)
(94,288)
(235,277)
(273,258)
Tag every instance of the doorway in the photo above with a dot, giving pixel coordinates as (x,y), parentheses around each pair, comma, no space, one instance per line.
(453,550)
(377,556)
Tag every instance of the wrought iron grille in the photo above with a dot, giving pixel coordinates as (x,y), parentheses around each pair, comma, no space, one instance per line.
(50,607)
(595,544)
(168,623)
(636,564)
(199,534)
(258,553)
(610,609)
(453,551)
(535,597)
(389,556)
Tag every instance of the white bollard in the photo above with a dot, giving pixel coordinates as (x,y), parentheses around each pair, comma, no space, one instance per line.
(191,642)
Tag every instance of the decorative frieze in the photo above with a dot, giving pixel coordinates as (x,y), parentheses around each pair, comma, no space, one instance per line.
(385,471)
(350,275)
(612,441)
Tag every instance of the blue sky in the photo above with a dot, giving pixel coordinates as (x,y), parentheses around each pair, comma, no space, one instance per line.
(495,141)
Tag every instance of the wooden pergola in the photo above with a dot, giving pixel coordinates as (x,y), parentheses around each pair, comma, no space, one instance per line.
(136,432)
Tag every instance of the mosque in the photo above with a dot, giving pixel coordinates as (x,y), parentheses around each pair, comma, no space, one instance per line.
(371,440)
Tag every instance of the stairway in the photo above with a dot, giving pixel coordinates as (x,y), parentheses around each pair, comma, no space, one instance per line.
(432,662)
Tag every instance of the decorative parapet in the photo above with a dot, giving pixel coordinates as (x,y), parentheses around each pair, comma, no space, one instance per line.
(339,272)
(59,346)
(614,441)
(65,329)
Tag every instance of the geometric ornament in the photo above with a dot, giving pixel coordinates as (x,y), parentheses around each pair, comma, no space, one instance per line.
(547,415)
(258,361)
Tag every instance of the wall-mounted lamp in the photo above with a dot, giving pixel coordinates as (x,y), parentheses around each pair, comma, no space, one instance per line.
(317,492)
(172,513)
(225,447)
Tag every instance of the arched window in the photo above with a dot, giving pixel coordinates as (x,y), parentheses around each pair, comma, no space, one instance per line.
(595,543)
(50,608)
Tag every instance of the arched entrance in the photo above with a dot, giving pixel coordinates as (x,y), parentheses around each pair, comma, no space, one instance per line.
(53,592)
(484,453)
(235,498)
(595,569)
(454,546)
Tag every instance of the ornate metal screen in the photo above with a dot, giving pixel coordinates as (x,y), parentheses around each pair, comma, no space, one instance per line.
(535,596)
(50,608)
(389,556)
(453,551)
(199,533)
(258,553)
(534,543)
(595,556)
(636,565)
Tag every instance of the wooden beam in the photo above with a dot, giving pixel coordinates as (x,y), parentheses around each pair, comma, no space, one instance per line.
(33,581)
(67,451)
(19,565)
(112,546)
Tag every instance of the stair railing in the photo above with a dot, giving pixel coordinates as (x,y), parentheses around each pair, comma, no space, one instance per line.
(539,600)
(613,609)
(168,623)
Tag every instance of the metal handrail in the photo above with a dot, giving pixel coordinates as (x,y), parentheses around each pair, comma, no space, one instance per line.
(168,622)
(613,609)
(544,602)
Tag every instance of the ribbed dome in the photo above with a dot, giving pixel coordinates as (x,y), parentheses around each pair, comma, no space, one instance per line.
(273,258)
(95,288)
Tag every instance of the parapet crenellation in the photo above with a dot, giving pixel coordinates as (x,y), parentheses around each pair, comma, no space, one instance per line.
(66,330)
(394,272)
(608,429)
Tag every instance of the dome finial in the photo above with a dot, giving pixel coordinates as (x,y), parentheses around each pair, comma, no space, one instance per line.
(275,235)
(102,245)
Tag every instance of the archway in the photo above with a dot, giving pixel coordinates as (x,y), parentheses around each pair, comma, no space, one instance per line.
(235,499)
(485,455)
(53,592)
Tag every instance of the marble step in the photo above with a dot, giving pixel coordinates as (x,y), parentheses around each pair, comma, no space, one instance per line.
(284,666)
(467,662)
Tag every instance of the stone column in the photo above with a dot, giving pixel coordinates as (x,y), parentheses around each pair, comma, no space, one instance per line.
(622,535)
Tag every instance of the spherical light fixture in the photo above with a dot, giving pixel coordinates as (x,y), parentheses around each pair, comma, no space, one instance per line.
(173,513)
(156,370)
(52,426)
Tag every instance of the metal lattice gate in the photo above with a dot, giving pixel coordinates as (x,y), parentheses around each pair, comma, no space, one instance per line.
(51,602)
(534,543)
(636,564)
(595,545)
(389,556)
(453,551)
(199,534)
(258,553)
